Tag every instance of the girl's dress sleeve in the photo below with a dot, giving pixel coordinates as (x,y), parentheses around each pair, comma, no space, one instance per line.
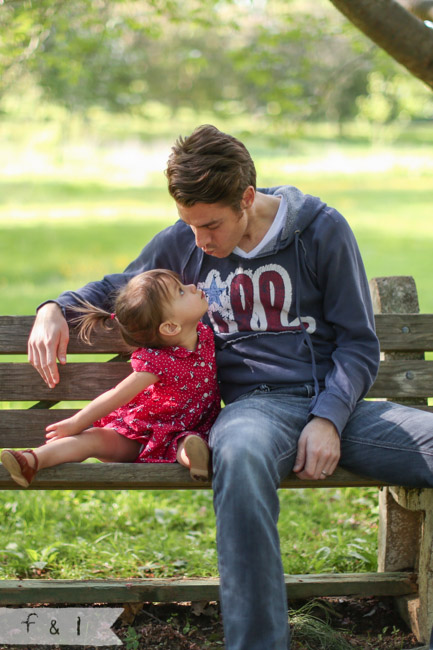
(147,360)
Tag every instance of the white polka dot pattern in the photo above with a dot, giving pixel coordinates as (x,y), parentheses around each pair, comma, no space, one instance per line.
(176,404)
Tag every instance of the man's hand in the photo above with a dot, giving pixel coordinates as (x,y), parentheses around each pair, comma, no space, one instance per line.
(48,341)
(318,450)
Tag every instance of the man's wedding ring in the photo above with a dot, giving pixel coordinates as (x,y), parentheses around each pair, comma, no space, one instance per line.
(324,473)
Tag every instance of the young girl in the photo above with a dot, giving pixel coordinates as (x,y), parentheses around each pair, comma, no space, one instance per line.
(161,412)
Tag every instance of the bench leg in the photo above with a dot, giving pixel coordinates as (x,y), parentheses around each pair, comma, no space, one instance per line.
(405,542)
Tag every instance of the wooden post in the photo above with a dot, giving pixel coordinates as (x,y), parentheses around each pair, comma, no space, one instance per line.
(406,515)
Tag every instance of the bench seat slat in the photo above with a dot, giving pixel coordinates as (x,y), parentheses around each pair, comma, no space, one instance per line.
(143,476)
(18,592)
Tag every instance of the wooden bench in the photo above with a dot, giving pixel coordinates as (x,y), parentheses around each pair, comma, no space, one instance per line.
(406,516)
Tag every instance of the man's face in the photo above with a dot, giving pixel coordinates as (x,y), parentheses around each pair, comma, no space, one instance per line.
(217,228)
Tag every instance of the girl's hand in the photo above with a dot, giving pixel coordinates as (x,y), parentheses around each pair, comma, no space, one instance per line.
(62,429)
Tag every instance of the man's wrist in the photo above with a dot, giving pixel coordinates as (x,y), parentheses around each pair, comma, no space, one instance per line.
(50,305)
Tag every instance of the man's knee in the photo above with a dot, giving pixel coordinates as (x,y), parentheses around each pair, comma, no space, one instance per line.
(240,460)
(254,438)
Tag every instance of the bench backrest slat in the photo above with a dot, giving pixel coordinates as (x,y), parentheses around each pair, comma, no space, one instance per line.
(395,331)
(78,381)
(84,381)
(19,428)
(403,379)
(15,330)
(411,332)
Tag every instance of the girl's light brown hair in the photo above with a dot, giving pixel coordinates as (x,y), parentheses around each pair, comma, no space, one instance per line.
(139,309)
(209,166)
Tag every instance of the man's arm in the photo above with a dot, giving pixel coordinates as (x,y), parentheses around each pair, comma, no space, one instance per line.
(347,306)
(169,249)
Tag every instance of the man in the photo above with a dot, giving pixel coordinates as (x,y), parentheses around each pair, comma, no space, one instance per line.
(296,353)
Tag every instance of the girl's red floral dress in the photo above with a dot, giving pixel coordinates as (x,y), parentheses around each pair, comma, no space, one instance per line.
(186,399)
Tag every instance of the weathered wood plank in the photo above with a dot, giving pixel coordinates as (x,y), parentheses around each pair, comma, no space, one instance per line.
(24,428)
(395,331)
(18,592)
(412,332)
(19,428)
(403,379)
(83,381)
(150,476)
(15,330)
(78,381)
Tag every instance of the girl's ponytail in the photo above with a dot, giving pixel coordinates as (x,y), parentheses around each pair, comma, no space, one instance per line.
(140,309)
(89,318)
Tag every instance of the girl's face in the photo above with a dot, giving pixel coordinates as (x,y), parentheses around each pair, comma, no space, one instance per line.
(188,304)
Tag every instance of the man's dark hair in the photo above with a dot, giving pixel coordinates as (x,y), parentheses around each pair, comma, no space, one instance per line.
(209,167)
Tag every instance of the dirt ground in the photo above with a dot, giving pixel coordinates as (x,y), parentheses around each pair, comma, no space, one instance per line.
(367,624)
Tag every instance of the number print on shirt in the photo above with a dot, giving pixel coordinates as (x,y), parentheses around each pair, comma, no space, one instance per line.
(255,301)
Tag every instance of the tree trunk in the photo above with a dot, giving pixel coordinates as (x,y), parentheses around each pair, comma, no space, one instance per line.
(393,28)
(421,8)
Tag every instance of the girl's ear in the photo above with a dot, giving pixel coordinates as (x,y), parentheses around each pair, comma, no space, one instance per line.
(168,328)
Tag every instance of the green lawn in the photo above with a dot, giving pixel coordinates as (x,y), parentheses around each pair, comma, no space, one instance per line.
(84,534)
(61,230)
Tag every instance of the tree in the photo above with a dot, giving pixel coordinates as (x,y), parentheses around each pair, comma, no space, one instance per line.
(286,59)
(398,29)
(91,51)
(214,54)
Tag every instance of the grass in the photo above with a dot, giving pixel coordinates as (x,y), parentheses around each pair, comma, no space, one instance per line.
(316,632)
(58,232)
(38,260)
(76,219)
(85,534)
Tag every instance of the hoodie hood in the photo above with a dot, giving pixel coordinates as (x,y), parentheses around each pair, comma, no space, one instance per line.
(301,210)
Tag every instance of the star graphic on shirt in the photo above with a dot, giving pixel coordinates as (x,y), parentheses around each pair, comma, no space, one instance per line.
(213,293)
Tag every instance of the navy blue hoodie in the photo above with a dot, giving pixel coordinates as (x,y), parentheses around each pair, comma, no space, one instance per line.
(299,312)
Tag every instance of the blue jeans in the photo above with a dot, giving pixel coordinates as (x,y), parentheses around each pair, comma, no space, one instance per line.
(254,442)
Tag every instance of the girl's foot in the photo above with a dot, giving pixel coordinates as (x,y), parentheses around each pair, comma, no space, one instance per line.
(198,454)
(18,465)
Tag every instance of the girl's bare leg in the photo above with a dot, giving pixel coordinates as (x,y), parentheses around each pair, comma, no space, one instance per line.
(104,444)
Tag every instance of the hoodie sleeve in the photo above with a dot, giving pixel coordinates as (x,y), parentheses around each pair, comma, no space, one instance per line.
(347,307)
(169,249)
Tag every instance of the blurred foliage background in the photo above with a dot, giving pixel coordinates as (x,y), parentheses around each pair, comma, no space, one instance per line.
(290,61)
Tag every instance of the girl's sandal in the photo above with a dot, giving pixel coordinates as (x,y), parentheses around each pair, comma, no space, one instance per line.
(198,454)
(18,466)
